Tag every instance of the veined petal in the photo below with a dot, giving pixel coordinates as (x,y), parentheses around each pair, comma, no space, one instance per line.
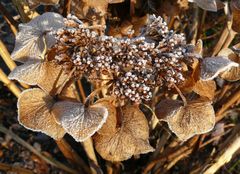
(77,120)
(34,113)
(35,37)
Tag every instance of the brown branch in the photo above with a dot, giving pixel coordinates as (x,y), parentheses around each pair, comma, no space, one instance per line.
(49,160)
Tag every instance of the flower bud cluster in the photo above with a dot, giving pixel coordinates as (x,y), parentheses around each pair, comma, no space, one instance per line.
(137,65)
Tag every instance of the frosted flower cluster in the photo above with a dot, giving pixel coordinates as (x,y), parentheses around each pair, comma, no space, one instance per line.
(135,65)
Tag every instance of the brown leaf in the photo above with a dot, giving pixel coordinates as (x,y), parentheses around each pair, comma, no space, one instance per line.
(80,122)
(235,7)
(47,75)
(130,138)
(170,108)
(211,67)
(209,5)
(197,117)
(233,74)
(34,37)
(35,3)
(34,112)
(108,103)
(205,88)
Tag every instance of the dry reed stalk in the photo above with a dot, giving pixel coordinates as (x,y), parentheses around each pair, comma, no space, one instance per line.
(232,145)
(7,59)
(6,56)
(72,156)
(11,85)
(48,160)
(25,12)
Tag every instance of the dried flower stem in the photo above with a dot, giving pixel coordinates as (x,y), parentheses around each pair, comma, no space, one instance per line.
(230,102)
(49,160)
(170,155)
(81,90)
(24,10)
(11,85)
(181,95)
(9,19)
(233,144)
(72,156)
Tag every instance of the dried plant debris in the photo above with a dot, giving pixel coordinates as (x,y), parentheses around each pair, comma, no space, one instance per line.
(197,117)
(34,112)
(35,3)
(129,136)
(209,5)
(211,67)
(78,120)
(34,37)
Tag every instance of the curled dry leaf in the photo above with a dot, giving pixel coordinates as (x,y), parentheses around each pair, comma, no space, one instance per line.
(233,74)
(77,120)
(209,5)
(34,112)
(120,142)
(211,67)
(205,88)
(34,37)
(197,117)
(47,75)
(235,7)
(35,3)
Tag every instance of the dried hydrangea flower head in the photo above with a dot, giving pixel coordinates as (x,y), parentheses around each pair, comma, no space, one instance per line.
(56,50)
(136,65)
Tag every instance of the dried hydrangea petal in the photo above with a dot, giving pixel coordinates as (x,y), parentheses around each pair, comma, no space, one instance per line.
(28,72)
(35,3)
(34,113)
(131,138)
(209,5)
(80,122)
(197,117)
(205,88)
(107,102)
(46,75)
(211,67)
(34,37)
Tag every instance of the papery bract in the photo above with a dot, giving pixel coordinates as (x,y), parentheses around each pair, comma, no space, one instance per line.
(197,117)
(79,121)
(34,112)
(127,139)
(35,37)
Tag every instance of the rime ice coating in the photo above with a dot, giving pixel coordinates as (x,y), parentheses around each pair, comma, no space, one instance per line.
(136,66)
